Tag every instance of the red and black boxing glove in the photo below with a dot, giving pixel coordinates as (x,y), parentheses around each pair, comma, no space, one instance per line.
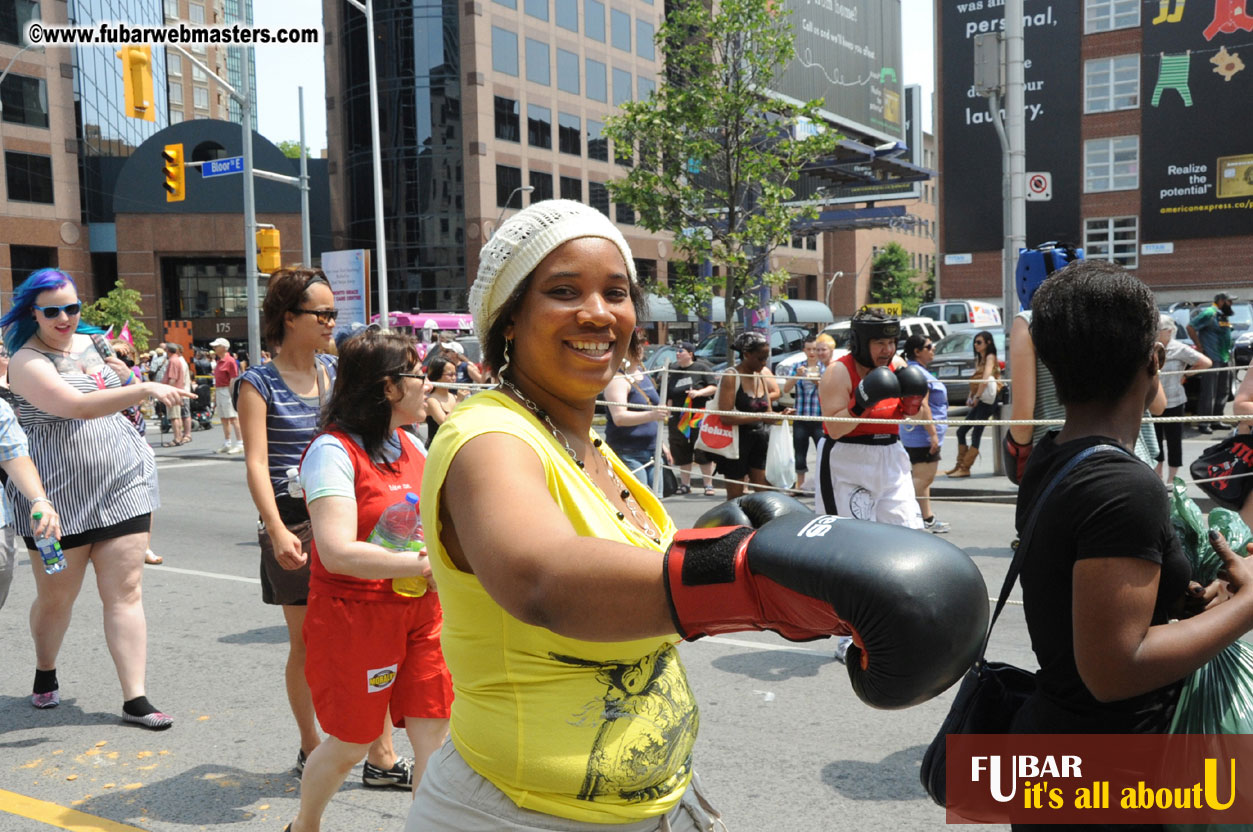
(913,388)
(878,385)
(915,605)
(1014,456)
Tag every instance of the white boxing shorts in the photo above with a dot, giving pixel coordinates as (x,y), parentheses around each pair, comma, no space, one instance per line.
(866,482)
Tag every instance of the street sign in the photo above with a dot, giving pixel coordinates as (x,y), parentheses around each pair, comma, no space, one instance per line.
(1039,186)
(222,167)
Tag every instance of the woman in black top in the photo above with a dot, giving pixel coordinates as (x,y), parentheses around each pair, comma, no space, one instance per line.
(750,388)
(1104,575)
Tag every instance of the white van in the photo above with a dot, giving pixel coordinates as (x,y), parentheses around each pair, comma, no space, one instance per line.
(963,314)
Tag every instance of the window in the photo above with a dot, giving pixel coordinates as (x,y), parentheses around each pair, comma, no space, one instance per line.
(620,29)
(198,74)
(597,144)
(567,71)
(195,13)
(1111,84)
(1103,15)
(598,197)
(623,214)
(29,177)
(14,15)
(508,120)
(811,243)
(176,117)
(508,186)
(24,100)
(1111,164)
(174,64)
(568,129)
(200,98)
(645,87)
(645,47)
(568,14)
(537,9)
(176,92)
(595,80)
(543,185)
(171,9)
(621,87)
(504,51)
(537,66)
(594,20)
(1114,238)
(509,4)
(539,127)
(572,188)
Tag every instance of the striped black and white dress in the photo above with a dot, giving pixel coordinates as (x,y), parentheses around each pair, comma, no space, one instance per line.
(97,472)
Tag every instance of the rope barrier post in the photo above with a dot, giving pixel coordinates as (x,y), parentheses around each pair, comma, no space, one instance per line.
(662,435)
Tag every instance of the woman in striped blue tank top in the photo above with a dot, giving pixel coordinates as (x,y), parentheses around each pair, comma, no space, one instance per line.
(280,404)
(99,474)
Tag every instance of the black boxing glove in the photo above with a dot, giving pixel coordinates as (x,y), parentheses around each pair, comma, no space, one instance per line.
(1014,456)
(877,385)
(916,606)
(913,388)
(754,510)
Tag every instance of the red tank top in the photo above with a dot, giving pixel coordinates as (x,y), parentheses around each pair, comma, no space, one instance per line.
(886,409)
(376,489)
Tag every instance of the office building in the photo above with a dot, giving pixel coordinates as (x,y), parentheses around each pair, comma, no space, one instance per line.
(192,93)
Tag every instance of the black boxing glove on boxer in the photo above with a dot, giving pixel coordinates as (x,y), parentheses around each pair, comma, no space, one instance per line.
(754,510)
(913,388)
(916,606)
(877,385)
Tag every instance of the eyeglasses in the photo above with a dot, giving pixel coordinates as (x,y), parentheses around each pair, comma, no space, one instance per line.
(418,376)
(53,312)
(324,316)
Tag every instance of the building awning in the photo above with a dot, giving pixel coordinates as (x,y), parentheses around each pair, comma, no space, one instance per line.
(660,310)
(800,312)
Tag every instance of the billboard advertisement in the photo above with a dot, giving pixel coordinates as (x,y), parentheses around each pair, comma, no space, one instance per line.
(970,152)
(848,53)
(348,273)
(1195,180)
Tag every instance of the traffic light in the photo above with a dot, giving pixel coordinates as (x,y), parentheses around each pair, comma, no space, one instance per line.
(137,81)
(269,258)
(175,173)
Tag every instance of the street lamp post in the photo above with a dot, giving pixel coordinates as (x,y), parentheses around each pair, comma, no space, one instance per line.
(526,189)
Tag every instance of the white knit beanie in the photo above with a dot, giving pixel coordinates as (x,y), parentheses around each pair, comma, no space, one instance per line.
(523,241)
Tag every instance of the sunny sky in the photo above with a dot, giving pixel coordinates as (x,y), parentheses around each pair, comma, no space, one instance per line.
(283,69)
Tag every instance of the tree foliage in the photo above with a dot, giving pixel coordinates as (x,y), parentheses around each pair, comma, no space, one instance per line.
(717,155)
(893,280)
(291,149)
(120,307)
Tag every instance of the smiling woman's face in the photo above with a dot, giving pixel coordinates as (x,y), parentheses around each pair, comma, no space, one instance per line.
(574,324)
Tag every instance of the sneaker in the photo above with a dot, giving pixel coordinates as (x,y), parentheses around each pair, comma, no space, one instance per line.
(301,759)
(43,701)
(935,525)
(400,775)
(235,449)
(1204,429)
(225,449)
(155,721)
(841,647)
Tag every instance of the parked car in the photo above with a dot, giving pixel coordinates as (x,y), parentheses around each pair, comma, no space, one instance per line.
(954,362)
(958,315)
(785,340)
(657,356)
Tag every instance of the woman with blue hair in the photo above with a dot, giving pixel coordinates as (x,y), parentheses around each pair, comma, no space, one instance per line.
(99,474)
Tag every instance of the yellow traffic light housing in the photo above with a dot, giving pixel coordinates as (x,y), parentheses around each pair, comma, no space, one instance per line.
(269,257)
(175,173)
(137,82)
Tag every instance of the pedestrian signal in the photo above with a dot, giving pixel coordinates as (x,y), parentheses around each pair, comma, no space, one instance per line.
(137,82)
(269,257)
(175,173)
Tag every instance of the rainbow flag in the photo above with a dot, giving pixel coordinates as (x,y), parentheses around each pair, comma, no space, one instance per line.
(690,420)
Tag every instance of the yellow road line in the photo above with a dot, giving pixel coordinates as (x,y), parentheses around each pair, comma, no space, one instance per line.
(58,816)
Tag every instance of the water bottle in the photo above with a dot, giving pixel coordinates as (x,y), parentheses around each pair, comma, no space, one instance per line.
(49,550)
(399,528)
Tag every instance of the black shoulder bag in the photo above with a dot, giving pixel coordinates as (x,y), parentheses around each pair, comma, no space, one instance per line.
(992,692)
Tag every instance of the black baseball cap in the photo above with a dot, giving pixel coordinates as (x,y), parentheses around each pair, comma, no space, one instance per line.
(1223,296)
(684,345)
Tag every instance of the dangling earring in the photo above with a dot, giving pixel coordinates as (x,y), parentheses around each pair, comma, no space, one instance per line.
(508,357)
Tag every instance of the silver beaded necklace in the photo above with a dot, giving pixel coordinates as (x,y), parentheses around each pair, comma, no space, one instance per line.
(642,520)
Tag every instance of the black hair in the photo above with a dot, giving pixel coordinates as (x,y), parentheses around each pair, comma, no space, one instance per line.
(989,344)
(358,401)
(913,343)
(1093,308)
(494,342)
(435,370)
(811,338)
(749,340)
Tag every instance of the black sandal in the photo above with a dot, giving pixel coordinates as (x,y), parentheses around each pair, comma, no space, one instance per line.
(683,489)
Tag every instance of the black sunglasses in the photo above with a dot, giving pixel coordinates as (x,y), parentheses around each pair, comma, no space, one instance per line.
(419,376)
(324,316)
(53,312)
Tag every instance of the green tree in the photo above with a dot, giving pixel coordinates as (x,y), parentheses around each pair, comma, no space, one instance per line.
(717,156)
(291,149)
(892,279)
(120,307)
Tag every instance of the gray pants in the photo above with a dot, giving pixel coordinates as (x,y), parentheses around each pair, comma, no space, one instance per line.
(453,797)
(8,559)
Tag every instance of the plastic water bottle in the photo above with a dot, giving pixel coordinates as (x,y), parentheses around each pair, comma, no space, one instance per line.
(49,550)
(399,528)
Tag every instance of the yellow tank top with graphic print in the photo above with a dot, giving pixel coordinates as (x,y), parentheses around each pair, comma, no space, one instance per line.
(592,731)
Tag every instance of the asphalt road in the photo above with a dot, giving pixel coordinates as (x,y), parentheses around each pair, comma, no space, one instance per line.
(784,743)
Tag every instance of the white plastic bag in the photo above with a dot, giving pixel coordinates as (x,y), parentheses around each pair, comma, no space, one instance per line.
(781,456)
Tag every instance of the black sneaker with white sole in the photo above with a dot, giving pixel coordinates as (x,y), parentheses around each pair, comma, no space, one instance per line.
(399,776)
